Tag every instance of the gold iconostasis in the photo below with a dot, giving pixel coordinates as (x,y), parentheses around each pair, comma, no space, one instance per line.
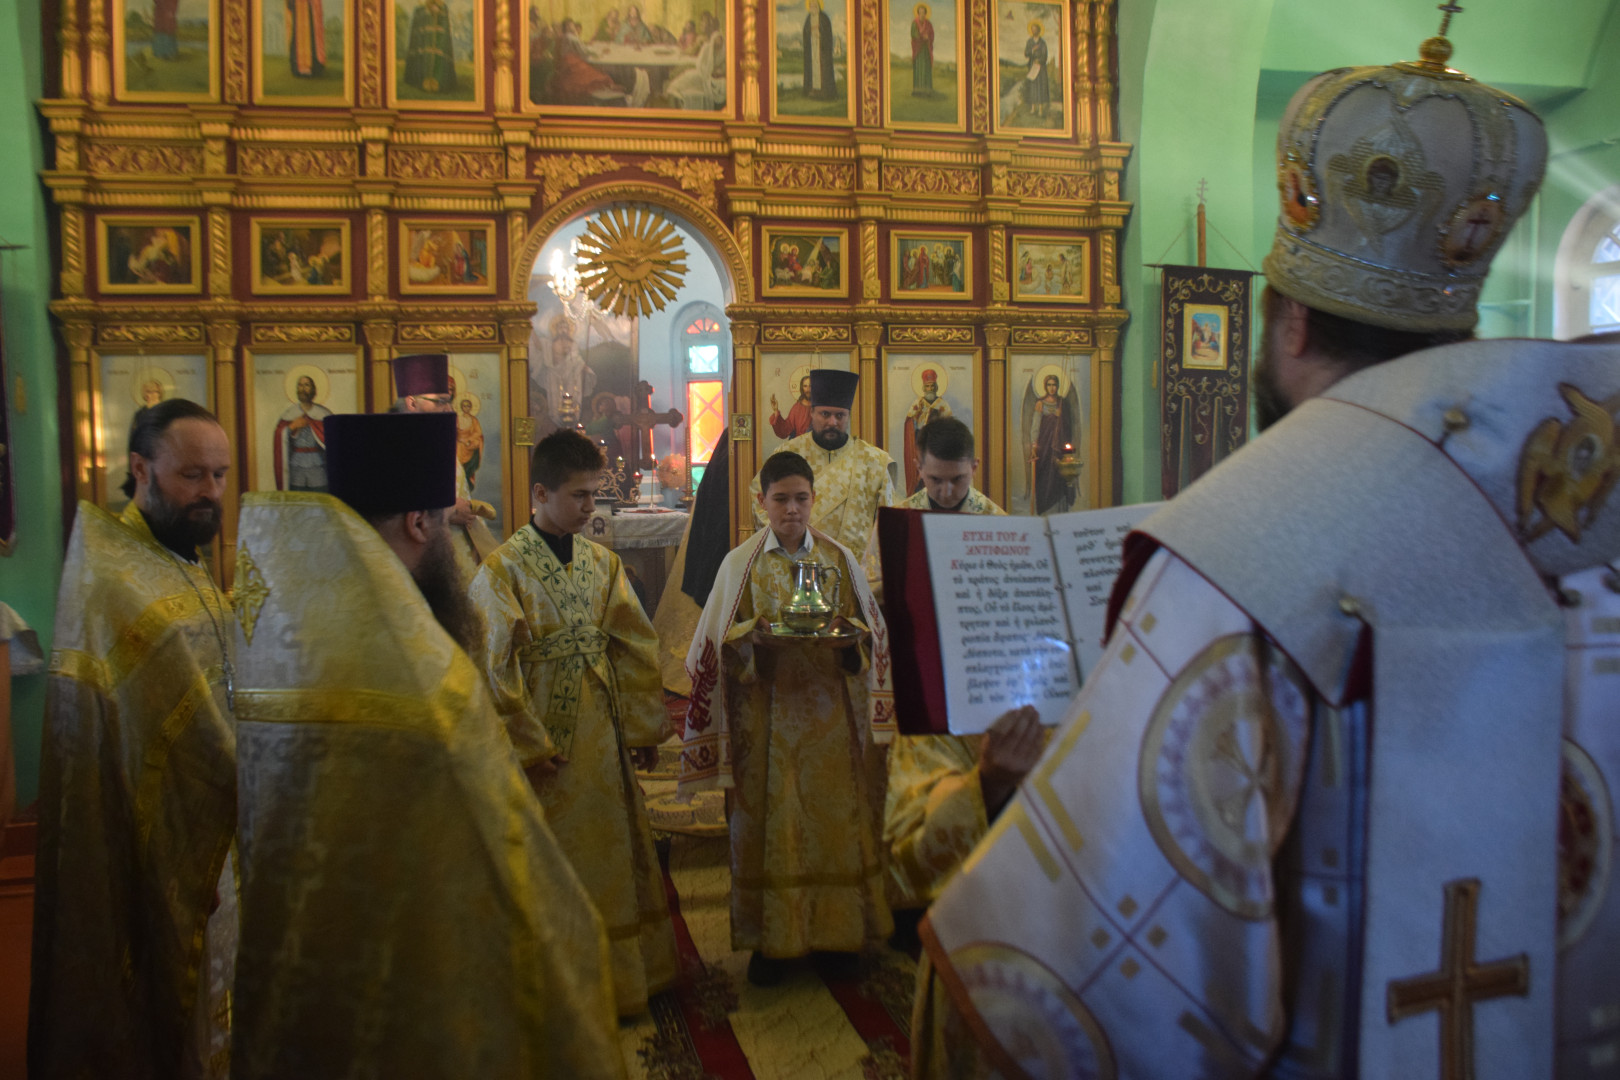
(260,204)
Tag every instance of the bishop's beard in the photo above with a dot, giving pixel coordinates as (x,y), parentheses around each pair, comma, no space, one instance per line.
(1270,404)
(439,578)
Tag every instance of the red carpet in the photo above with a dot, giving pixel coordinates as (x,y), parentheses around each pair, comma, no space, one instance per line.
(694,1038)
(715,1026)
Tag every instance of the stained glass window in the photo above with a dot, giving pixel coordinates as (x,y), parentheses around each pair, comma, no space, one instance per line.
(703,359)
(703,325)
(706,415)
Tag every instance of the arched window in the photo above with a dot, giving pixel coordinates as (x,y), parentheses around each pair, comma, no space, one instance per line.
(704,361)
(700,344)
(1587,279)
(1603,301)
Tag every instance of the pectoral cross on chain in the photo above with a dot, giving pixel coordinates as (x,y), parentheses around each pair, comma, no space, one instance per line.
(1460,982)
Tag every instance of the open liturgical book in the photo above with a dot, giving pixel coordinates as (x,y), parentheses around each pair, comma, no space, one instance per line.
(989,613)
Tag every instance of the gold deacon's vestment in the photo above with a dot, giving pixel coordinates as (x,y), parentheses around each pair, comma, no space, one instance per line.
(1338,800)
(406,910)
(791,731)
(933,811)
(573,669)
(137,801)
(852,482)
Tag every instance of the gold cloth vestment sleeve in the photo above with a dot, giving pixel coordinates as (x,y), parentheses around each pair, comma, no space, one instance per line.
(137,806)
(933,816)
(406,910)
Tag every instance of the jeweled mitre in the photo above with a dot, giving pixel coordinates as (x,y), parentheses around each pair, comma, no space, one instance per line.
(1398,186)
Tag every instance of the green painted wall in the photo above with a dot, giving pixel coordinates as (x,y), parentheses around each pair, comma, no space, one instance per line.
(1203,87)
(1189,70)
(29,576)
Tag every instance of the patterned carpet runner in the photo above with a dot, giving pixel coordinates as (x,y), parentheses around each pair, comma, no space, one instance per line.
(715,1025)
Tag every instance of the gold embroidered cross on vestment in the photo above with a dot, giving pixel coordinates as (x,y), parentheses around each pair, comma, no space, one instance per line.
(1460,982)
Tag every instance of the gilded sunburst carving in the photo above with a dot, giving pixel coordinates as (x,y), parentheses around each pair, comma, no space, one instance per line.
(633,261)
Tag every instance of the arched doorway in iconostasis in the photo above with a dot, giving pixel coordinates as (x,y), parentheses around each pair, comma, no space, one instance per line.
(587,357)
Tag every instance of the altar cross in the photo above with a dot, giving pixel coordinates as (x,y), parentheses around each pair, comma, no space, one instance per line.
(1460,982)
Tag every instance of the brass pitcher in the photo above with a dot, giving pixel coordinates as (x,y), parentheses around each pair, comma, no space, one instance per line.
(808,611)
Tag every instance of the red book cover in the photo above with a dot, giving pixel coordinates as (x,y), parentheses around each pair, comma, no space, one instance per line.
(908,608)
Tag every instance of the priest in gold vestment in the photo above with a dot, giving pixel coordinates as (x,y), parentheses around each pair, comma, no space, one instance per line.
(573,669)
(407,911)
(134,904)
(789,726)
(853,477)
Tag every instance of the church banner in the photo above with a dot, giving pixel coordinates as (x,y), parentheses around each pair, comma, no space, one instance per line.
(1204,392)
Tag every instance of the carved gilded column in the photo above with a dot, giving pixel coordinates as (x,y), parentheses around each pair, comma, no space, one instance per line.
(742,230)
(979,106)
(871,282)
(380,345)
(100,42)
(78,336)
(744,451)
(874,59)
(1084,72)
(236,51)
(72,276)
(371,54)
(1112,294)
(219,258)
(505,99)
(995,430)
(1104,444)
(999,288)
(71,40)
(222,335)
(1103,64)
(519,428)
(750,53)
(517,231)
(868,337)
(377,254)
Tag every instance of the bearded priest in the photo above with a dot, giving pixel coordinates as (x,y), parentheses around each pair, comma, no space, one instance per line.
(134,908)
(853,477)
(408,912)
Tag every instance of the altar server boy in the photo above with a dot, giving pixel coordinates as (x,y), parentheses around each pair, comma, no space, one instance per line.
(573,666)
(786,722)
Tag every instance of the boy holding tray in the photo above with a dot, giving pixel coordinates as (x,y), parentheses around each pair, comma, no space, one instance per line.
(786,722)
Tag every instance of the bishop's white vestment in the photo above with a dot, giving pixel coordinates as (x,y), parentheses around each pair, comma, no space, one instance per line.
(1338,800)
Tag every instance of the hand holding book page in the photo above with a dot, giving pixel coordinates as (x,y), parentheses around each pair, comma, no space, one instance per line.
(1020,604)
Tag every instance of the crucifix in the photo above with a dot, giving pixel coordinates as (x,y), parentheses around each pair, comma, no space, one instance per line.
(1460,982)
(643,419)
